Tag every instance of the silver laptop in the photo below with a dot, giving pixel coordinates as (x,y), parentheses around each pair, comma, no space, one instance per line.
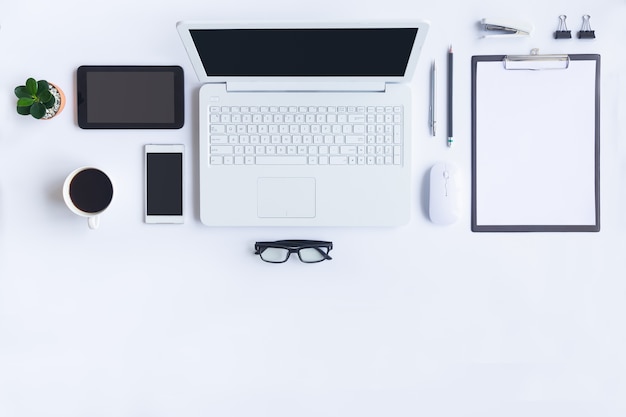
(304,124)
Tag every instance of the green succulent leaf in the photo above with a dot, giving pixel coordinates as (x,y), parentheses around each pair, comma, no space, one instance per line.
(31,86)
(37,110)
(23,110)
(45,96)
(25,102)
(22,91)
(49,103)
(42,87)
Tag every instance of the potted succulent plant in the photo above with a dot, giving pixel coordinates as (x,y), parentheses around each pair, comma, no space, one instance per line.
(40,99)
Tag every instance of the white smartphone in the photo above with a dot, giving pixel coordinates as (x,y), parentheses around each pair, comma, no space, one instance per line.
(163,183)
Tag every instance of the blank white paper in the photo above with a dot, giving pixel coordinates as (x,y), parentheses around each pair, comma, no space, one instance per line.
(535,145)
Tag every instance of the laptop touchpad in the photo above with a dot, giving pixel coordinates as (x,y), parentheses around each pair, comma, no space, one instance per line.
(286,197)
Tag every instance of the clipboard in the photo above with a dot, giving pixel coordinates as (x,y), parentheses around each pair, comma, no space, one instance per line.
(536,143)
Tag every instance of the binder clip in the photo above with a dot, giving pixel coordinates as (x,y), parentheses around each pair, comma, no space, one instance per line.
(585,31)
(506,29)
(561,31)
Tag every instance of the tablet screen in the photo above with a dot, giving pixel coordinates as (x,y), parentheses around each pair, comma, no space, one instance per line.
(130,97)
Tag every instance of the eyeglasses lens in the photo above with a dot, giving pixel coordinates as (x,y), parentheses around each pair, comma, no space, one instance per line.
(274,254)
(312,254)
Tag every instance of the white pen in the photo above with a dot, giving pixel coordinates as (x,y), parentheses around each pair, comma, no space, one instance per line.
(433,94)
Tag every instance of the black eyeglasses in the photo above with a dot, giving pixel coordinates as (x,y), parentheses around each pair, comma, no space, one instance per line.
(309,251)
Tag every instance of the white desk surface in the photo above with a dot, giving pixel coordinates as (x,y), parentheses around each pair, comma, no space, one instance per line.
(421,320)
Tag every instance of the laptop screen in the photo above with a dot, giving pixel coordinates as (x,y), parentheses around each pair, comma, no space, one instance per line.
(355,52)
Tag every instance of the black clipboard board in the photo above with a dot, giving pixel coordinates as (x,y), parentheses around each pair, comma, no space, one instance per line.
(536,143)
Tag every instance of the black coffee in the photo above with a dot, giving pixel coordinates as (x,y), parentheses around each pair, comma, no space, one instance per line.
(91,190)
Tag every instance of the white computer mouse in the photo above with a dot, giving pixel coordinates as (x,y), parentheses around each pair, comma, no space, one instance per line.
(444,194)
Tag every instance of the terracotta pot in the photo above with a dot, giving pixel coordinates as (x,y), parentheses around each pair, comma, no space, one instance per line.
(58,106)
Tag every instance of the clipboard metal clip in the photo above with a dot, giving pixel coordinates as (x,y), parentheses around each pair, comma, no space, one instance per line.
(536,62)
(508,29)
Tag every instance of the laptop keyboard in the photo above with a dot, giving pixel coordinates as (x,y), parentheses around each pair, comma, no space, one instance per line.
(306,135)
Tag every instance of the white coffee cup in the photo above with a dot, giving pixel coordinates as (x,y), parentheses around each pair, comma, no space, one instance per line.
(88,191)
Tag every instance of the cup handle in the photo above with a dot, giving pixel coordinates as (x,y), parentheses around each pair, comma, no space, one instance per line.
(94,222)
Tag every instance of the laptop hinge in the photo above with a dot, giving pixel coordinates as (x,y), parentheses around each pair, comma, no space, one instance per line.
(288,86)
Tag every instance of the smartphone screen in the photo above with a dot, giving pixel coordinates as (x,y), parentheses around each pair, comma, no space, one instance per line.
(164,184)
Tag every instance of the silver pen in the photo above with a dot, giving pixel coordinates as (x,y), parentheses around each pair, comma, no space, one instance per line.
(433,94)
(450,106)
